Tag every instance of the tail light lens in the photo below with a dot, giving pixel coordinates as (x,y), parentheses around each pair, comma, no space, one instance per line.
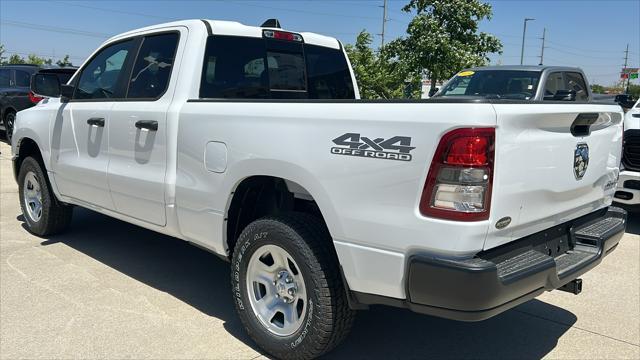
(33,98)
(458,185)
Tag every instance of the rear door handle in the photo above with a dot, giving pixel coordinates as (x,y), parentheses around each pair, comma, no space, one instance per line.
(99,122)
(150,125)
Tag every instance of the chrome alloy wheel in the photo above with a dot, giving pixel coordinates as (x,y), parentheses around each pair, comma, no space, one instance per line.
(276,290)
(32,196)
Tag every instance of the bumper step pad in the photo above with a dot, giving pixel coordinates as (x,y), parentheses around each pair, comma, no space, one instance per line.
(599,230)
(520,265)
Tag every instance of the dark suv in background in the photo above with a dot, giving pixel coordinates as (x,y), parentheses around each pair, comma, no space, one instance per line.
(15,94)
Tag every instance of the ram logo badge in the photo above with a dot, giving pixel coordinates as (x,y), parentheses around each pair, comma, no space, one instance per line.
(352,144)
(580,160)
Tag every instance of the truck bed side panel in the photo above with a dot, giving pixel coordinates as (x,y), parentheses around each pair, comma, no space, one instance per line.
(370,204)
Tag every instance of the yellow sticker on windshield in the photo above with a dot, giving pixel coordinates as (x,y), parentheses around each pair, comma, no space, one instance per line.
(466,73)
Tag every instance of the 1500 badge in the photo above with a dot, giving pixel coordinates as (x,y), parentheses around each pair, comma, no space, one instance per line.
(352,144)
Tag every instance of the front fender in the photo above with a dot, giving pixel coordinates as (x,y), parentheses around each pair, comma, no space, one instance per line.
(34,124)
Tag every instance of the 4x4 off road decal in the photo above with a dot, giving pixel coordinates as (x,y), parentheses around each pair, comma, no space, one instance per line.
(352,144)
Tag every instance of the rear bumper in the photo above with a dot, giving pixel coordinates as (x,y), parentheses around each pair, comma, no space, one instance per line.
(501,278)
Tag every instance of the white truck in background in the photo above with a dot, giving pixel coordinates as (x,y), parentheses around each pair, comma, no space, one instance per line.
(252,142)
(628,192)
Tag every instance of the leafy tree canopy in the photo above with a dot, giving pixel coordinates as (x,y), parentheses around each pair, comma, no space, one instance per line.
(443,37)
(31,59)
(64,62)
(597,89)
(379,74)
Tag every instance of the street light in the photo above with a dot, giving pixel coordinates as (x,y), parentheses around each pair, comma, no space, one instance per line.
(524,32)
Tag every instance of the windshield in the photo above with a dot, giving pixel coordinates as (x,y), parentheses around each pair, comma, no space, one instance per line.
(501,84)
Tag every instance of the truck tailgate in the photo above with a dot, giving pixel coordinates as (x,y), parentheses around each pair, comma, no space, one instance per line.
(553,163)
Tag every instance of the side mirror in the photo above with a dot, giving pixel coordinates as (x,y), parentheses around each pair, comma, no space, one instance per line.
(565,95)
(45,85)
(48,85)
(66,91)
(433,91)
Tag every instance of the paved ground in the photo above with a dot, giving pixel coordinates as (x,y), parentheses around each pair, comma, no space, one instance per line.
(107,289)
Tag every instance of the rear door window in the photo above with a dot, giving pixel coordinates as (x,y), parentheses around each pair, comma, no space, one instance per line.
(152,69)
(575,82)
(554,83)
(5,78)
(242,67)
(23,78)
(234,68)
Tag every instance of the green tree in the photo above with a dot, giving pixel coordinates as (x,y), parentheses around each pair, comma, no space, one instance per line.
(2,57)
(64,62)
(379,74)
(634,90)
(443,37)
(597,89)
(36,60)
(16,59)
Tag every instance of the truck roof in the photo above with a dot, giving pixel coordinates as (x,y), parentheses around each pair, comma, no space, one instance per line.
(538,68)
(234,28)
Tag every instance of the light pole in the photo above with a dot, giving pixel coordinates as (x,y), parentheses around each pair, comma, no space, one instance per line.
(524,32)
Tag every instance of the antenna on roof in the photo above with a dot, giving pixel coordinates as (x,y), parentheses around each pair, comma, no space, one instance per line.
(271,23)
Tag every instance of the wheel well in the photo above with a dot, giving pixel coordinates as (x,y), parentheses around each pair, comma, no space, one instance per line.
(259,196)
(26,148)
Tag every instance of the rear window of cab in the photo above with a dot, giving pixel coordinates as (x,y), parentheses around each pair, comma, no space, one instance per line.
(257,68)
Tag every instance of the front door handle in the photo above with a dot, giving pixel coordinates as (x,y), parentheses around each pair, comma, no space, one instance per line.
(99,122)
(150,125)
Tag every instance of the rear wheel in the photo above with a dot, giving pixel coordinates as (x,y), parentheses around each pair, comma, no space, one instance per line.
(43,213)
(287,288)
(9,121)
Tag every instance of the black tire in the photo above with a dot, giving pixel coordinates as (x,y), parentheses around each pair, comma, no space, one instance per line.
(55,217)
(328,318)
(9,121)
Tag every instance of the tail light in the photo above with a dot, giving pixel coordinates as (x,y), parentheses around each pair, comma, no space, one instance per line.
(33,98)
(458,186)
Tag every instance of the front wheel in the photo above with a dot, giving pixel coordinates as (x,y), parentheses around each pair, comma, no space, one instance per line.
(42,212)
(287,287)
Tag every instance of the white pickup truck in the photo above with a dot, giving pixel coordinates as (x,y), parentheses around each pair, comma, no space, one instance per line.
(628,192)
(252,143)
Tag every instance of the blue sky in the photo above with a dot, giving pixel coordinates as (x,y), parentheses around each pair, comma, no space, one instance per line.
(589,34)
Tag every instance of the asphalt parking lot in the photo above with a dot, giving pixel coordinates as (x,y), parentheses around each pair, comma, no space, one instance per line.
(107,289)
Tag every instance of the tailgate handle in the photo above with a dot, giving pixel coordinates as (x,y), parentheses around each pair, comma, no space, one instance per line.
(582,124)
